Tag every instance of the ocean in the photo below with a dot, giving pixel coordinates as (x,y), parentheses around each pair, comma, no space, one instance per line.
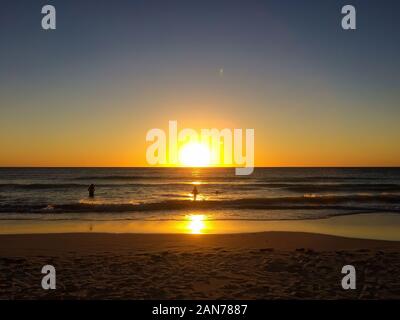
(165,193)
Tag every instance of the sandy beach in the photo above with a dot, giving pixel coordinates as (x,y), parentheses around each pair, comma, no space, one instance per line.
(268,265)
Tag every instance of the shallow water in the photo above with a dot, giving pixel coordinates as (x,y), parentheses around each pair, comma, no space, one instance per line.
(382,226)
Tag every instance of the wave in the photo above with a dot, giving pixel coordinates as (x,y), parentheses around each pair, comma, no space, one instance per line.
(117,177)
(50,186)
(352,202)
(320,179)
(38,186)
(228,178)
(163,177)
(300,188)
(352,187)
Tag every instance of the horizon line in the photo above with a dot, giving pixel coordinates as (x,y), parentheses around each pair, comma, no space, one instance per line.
(186,167)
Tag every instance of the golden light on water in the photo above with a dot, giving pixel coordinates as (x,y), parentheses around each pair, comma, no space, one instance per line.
(196,223)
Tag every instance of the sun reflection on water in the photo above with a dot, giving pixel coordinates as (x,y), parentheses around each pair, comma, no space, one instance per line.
(196,223)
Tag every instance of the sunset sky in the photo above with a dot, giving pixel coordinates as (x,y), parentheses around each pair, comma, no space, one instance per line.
(87,93)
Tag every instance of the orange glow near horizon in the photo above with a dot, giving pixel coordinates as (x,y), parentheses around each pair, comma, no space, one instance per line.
(125,146)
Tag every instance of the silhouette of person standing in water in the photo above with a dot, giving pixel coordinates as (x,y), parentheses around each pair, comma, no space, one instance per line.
(91,190)
(195,192)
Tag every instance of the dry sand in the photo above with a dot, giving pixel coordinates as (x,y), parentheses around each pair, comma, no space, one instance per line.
(269,265)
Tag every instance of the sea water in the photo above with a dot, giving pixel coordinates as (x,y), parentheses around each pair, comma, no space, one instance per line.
(165,193)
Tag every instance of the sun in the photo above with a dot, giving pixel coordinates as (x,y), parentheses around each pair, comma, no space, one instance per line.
(195,155)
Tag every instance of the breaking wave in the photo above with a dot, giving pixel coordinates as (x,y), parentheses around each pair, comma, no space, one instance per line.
(352,202)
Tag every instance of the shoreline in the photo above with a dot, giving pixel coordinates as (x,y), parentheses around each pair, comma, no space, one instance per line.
(375,226)
(31,244)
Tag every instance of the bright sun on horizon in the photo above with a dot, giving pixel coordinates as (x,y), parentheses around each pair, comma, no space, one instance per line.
(195,155)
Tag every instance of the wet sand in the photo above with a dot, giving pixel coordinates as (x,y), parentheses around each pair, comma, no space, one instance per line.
(268,265)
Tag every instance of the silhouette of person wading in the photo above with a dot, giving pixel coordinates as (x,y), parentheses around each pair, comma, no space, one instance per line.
(195,192)
(91,190)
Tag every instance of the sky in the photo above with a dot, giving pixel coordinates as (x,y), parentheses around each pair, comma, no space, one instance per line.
(86,93)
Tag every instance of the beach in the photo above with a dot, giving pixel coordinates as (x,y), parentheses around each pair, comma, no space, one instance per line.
(265,265)
(283,233)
